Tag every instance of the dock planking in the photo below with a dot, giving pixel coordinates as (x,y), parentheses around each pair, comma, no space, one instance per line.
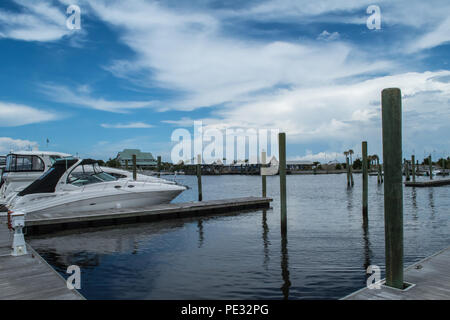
(431,183)
(45,223)
(29,277)
(429,277)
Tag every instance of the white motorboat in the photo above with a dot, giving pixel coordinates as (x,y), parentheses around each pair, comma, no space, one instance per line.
(76,185)
(24,167)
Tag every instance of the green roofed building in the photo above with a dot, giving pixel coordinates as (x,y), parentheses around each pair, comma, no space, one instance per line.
(143,159)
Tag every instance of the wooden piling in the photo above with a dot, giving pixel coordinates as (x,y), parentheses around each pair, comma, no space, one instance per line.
(408,178)
(263,177)
(413,164)
(282,166)
(365,178)
(134,168)
(393,187)
(126,164)
(159,166)
(352,181)
(199,177)
(431,167)
(378,171)
(347,162)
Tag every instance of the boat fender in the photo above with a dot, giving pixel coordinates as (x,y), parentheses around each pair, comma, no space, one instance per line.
(9,219)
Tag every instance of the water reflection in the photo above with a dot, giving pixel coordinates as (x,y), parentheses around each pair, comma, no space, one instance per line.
(285,266)
(82,259)
(414,203)
(367,251)
(200,233)
(349,199)
(431,201)
(266,242)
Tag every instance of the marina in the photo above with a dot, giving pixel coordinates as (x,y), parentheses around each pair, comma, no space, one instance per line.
(76,216)
(324,254)
(224,150)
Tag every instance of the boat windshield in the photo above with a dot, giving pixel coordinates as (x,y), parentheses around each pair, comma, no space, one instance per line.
(85,174)
(24,163)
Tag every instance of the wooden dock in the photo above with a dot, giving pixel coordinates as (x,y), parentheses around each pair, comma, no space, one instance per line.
(45,223)
(29,277)
(430,279)
(430,183)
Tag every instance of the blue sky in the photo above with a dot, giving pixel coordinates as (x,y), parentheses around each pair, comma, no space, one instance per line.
(137,70)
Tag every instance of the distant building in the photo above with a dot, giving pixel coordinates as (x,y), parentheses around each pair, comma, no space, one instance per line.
(299,165)
(331,165)
(143,159)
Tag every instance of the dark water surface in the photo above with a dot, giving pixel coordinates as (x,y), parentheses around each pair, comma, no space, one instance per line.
(244,256)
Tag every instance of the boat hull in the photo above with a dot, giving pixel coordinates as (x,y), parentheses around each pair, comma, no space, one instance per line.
(105,202)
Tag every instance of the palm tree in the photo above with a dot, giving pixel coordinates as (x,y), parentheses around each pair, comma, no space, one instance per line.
(377,159)
(351,152)
(346,158)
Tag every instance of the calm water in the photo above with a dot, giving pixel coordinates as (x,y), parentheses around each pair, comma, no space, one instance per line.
(244,256)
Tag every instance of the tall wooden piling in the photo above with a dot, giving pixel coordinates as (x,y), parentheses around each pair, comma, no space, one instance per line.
(263,176)
(282,168)
(393,186)
(378,171)
(159,166)
(408,178)
(199,177)
(134,168)
(352,181)
(413,164)
(381,170)
(126,164)
(430,163)
(347,162)
(365,178)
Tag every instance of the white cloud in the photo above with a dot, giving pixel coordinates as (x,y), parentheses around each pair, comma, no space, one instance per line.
(183,122)
(187,51)
(436,37)
(323,157)
(326,36)
(37,21)
(344,115)
(131,125)
(9,144)
(12,115)
(83,97)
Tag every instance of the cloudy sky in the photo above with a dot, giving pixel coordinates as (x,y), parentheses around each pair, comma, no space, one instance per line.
(139,69)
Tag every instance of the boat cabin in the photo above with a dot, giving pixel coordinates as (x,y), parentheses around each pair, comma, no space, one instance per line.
(69,171)
(23,167)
